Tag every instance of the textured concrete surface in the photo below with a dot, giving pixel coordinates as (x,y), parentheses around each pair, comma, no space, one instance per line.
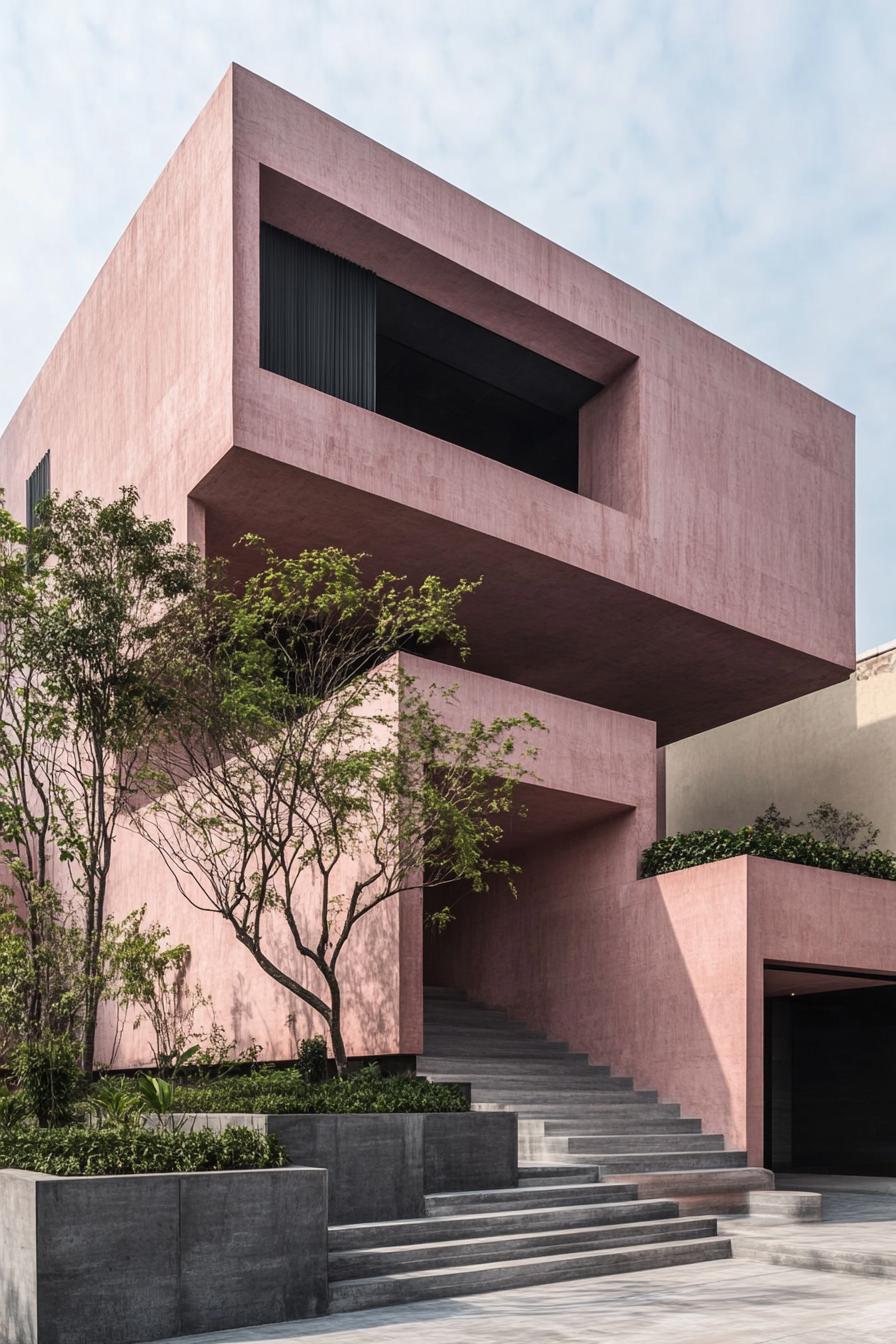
(855,1235)
(116,1259)
(836,745)
(375,1162)
(18,1261)
(381,1167)
(469,1152)
(729,1302)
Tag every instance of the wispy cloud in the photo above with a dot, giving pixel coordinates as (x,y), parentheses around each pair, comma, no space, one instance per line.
(736,160)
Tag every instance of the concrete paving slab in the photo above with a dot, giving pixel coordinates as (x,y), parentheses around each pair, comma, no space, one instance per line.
(733,1302)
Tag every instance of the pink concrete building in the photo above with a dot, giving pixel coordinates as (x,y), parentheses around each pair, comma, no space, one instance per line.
(304,335)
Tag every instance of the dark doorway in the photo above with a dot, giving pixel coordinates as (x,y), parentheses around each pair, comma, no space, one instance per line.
(830,1080)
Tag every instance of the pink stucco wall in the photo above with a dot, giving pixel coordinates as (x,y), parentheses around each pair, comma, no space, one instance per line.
(676,975)
(589,762)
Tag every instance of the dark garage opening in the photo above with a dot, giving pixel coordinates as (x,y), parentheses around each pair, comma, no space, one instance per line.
(830,1081)
(337,327)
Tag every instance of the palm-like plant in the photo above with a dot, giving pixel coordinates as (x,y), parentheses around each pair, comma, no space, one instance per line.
(112,1102)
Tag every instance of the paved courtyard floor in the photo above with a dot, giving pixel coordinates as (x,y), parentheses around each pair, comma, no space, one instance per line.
(858,1230)
(726,1302)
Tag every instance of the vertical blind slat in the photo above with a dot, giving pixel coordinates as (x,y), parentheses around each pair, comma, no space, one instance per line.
(37,487)
(318,318)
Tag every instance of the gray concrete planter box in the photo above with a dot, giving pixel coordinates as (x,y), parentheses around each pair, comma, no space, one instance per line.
(117,1259)
(381,1167)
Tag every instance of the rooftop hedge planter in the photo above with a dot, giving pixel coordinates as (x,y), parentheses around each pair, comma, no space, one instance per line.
(382,1166)
(697,847)
(117,1259)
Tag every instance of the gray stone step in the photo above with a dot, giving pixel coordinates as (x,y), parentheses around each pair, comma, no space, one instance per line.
(577,1145)
(378,1260)
(482,1046)
(556,1169)
(563,1113)
(725,1190)
(355,1294)
(498,1028)
(532,1099)
(511,1064)
(610,1164)
(471,1201)
(660,1119)
(562,1172)
(809,1254)
(545,1084)
(498,1222)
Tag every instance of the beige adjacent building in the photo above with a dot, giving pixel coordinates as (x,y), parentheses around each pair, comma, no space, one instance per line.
(837,745)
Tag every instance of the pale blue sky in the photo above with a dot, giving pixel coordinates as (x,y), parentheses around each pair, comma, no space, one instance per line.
(735,160)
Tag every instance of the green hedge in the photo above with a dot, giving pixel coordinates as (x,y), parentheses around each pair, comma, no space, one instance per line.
(687,851)
(284,1091)
(127,1150)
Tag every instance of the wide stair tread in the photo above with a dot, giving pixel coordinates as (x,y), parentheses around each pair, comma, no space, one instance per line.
(401,1259)
(499,1222)
(449,1281)
(610,1164)
(583,1147)
(526,1197)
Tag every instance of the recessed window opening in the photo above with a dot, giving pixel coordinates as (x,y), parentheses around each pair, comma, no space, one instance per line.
(37,487)
(335,326)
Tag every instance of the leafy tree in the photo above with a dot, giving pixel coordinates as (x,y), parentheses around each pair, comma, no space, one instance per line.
(82,599)
(849,830)
(150,976)
(827,823)
(306,779)
(772,819)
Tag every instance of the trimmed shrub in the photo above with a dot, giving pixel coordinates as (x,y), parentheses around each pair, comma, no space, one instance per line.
(285,1091)
(764,842)
(49,1078)
(130,1150)
(311,1060)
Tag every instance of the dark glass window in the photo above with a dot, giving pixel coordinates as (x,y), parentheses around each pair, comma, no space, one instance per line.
(318,318)
(37,487)
(337,327)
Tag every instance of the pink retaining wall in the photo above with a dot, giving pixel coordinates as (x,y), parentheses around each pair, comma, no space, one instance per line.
(679,975)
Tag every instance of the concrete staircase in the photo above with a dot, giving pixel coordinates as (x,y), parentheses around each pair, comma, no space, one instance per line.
(570,1111)
(573,1214)
(483,1240)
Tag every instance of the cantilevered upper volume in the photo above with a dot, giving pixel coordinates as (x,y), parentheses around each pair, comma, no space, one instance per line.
(304,335)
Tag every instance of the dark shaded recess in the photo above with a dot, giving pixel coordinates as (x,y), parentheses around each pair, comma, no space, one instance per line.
(37,487)
(334,326)
(318,318)
(830,1082)
(451,378)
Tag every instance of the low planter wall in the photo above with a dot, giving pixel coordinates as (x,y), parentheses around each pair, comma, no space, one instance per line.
(381,1167)
(118,1259)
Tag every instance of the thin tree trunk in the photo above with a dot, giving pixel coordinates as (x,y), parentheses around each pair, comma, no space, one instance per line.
(339,1056)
